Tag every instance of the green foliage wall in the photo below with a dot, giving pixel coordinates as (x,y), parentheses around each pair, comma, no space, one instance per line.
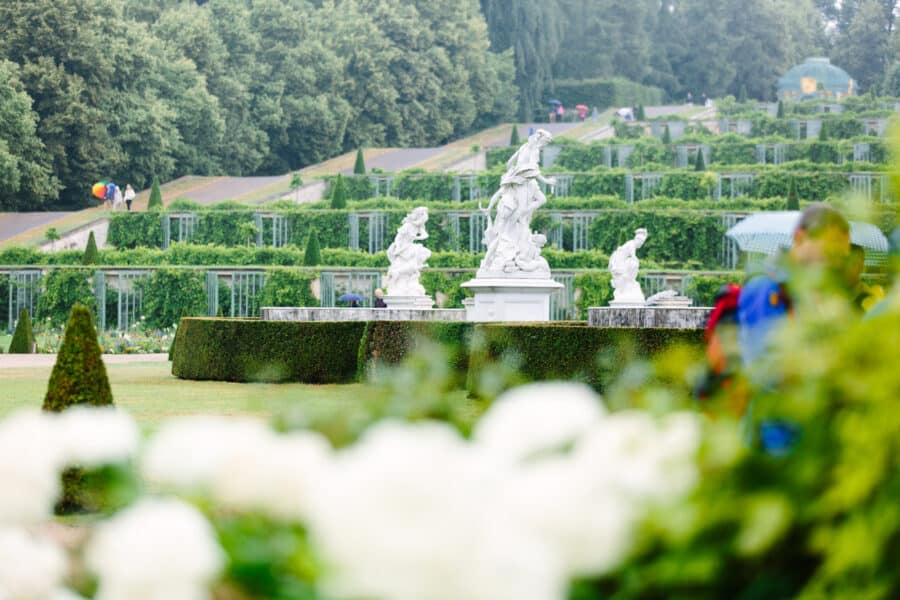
(288,288)
(169,294)
(62,290)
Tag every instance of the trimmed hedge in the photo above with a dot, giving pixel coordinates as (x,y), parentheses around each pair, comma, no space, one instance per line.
(604,93)
(249,350)
(280,351)
(386,343)
(593,355)
(23,337)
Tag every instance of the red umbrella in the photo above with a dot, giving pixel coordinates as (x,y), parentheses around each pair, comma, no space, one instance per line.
(581,107)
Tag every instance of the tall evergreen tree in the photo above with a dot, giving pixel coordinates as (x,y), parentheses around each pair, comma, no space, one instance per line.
(359,168)
(699,162)
(514,136)
(667,136)
(780,113)
(23,337)
(155,202)
(793,202)
(312,256)
(338,193)
(91,255)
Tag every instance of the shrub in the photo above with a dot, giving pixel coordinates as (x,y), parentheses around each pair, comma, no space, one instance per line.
(667,136)
(288,288)
(79,375)
(23,337)
(155,202)
(514,137)
(313,255)
(780,113)
(338,194)
(700,163)
(390,342)
(91,254)
(169,294)
(274,351)
(359,168)
(793,203)
(545,351)
(641,113)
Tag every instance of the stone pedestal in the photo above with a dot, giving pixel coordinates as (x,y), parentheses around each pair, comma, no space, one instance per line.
(412,302)
(649,317)
(315,314)
(510,299)
(627,304)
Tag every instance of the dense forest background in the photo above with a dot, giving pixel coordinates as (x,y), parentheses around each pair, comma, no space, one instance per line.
(129,89)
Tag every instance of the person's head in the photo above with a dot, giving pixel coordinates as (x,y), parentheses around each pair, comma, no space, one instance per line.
(640,236)
(821,237)
(378,293)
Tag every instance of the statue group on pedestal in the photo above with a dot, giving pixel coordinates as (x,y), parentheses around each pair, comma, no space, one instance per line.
(513,249)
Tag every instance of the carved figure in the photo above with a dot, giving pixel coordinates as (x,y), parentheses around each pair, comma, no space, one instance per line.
(508,235)
(407,258)
(623,266)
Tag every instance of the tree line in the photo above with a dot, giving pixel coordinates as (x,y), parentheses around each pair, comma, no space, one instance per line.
(127,89)
(715,47)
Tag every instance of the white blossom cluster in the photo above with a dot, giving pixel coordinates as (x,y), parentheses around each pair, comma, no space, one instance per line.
(549,487)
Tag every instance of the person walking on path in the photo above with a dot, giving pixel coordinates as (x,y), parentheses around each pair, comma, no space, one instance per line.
(129,196)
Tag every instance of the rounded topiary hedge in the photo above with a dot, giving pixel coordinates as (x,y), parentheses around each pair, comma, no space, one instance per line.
(273,351)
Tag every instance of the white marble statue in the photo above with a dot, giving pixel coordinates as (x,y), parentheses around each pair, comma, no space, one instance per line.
(623,265)
(407,258)
(512,249)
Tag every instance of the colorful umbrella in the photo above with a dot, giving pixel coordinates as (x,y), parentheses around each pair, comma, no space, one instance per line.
(99,190)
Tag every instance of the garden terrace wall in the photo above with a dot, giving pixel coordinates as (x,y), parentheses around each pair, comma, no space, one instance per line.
(249,350)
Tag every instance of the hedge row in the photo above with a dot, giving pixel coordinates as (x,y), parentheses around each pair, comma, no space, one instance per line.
(251,350)
(273,351)
(605,93)
(727,150)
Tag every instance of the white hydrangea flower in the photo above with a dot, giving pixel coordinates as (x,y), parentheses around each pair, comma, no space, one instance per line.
(158,549)
(538,418)
(30,567)
(588,525)
(274,475)
(93,437)
(30,465)
(186,454)
(646,461)
(400,516)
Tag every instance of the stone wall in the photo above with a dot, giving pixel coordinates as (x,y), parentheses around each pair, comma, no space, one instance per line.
(665,318)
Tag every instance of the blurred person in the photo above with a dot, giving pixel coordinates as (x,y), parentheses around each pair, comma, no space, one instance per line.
(721,385)
(818,255)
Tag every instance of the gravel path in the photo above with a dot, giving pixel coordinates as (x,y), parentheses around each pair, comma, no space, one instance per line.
(12,224)
(229,187)
(20,361)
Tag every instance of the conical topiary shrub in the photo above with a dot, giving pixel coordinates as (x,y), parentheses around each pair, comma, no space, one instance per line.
(338,193)
(641,113)
(91,254)
(79,375)
(793,202)
(742,94)
(700,163)
(23,337)
(360,167)
(313,255)
(780,113)
(514,136)
(155,202)
(667,136)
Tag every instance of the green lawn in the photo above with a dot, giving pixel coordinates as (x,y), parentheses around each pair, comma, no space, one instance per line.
(151,394)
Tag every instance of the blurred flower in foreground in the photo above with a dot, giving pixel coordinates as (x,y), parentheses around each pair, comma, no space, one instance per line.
(30,568)
(158,549)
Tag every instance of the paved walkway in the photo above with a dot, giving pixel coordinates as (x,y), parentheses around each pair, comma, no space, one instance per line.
(22,361)
(12,224)
(229,187)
